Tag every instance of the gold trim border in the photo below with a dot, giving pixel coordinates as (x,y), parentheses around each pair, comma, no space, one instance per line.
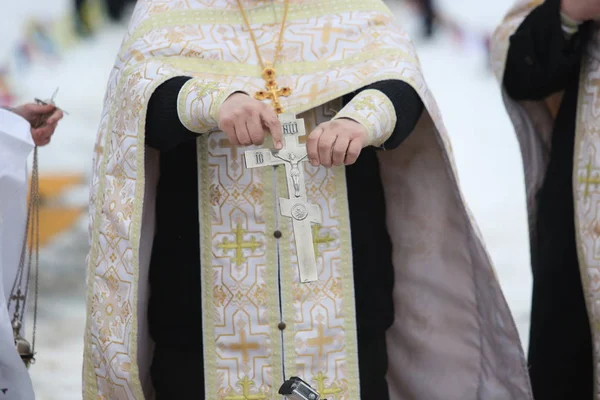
(90,376)
(205,221)
(263,14)
(347,274)
(235,69)
(210,354)
(579,230)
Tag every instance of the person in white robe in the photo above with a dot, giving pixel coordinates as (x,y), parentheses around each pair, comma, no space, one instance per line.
(17,140)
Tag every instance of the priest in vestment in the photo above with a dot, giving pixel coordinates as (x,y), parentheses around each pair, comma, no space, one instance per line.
(17,140)
(547,56)
(194,290)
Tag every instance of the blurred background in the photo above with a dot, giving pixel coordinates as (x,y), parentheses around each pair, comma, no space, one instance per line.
(71,45)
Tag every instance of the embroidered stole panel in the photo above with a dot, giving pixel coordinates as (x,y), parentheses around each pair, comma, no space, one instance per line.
(261,325)
(586,187)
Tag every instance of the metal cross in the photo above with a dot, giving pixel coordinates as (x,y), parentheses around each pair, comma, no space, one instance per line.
(18,298)
(297,207)
(42,120)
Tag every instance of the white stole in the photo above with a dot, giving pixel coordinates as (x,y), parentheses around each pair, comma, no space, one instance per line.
(15,146)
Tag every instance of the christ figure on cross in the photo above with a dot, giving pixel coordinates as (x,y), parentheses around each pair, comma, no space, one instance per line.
(297,207)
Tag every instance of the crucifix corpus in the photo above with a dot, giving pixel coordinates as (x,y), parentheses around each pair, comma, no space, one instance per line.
(296,207)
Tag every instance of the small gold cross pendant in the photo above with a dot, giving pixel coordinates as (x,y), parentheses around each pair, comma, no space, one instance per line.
(273,92)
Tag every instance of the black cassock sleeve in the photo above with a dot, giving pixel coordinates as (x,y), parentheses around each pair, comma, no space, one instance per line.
(541,59)
(407,104)
(164,130)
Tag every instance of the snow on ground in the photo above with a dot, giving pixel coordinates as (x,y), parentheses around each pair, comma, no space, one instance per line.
(485,150)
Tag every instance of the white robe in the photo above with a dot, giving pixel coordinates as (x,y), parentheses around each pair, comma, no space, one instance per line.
(15,146)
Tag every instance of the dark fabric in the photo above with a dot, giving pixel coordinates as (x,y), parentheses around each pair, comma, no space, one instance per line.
(541,62)
(407,104)
(177,372)
(174,309)
(371,245)
(164,130)
(373,365)
(428,16)
(174,265)
(162,109)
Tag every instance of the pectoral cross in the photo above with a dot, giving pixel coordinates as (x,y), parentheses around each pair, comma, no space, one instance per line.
(273,91)
(296,207)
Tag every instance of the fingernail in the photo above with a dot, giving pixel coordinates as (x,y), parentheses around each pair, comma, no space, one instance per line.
(279,145)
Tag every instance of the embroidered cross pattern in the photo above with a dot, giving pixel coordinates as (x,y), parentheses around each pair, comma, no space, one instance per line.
(589,179)
(227,145)
(315,91)
(364,103)
(328,30)
(317,240)
(243,346)
(239,245)
(323,391)
(245,384)
(296,207)
(321,340)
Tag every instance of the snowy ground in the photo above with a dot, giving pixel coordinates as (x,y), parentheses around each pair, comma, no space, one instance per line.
(485,150)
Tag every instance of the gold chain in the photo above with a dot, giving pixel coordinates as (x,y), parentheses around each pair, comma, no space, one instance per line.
(268,71)
(279,40)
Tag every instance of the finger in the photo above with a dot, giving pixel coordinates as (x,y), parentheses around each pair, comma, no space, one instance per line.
(34,108)
(339,150)
(326,143)
(227,126)
(39,133)
(255,129)
(273,125)
(354,149)
(44,131)
(241,131)
(42,142)
(312,145)
(55,117)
